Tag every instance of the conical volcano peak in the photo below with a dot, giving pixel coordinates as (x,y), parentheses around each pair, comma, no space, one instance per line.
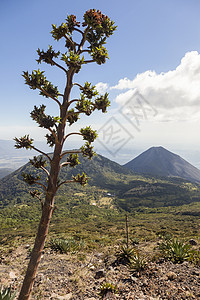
(159,161)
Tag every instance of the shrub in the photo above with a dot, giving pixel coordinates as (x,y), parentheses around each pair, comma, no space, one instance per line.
(195,257)
(5,294)
(134,241)
(125,254)
(175,250)
(137,262)
(107,288)
(66,245)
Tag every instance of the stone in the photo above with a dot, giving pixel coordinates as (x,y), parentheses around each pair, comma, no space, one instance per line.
(12,275)
(171,275)
(145,283)
(99,274)
(109,296)
(111,269)
(134,279)
(91,266)
(66,297)
(192,242)
(196,272)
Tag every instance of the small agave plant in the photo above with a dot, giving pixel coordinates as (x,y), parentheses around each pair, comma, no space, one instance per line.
(5,294)
(125,254)
(107,288)
(137,262)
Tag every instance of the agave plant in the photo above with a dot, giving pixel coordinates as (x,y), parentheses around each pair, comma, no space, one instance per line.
(107,288)
(195,257)
(175,250)
(66,245)
(137,262)
(5,294)
(125,254)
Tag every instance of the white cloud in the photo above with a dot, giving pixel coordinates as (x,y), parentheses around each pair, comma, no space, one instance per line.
(174,94)
(101,87)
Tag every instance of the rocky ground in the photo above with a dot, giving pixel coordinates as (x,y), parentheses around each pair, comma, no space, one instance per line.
(80,276)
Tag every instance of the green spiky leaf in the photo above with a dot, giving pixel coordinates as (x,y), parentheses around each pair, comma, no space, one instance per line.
(82,179)
(88,134)
(84,105)
(88,90)
(72,116)
(73,160)
(47,56)
(38,162)
(102,103)
(87,150)
(6,294)
(24,142)
(30,179)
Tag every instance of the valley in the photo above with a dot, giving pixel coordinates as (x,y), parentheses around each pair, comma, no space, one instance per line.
(153,203)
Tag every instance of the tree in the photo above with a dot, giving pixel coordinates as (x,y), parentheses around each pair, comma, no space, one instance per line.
(95,29)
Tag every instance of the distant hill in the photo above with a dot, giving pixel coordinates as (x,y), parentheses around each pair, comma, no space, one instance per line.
(102,172)
(5,171)
(158,161)
(126,188)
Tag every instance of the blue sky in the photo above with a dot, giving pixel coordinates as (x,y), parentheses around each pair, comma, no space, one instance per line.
(147,53)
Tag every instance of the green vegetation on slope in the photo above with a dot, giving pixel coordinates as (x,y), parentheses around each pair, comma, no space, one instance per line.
(128,190)
(96,213)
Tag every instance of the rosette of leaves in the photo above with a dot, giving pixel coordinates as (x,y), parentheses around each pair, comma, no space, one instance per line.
(107,288)
(66,245)
(137,262)
(88,90)
(73,60)
(30,179)
(88,134)
(6,294)
(87,150)
(82,179)
(45,121)
(176,251)
(125,254)
(73,160)
(23,142)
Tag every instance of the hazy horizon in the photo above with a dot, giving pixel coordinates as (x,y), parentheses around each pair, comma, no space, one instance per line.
(15,158)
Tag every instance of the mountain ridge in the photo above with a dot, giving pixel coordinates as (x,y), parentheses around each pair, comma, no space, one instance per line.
(126,188)
(162,162)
